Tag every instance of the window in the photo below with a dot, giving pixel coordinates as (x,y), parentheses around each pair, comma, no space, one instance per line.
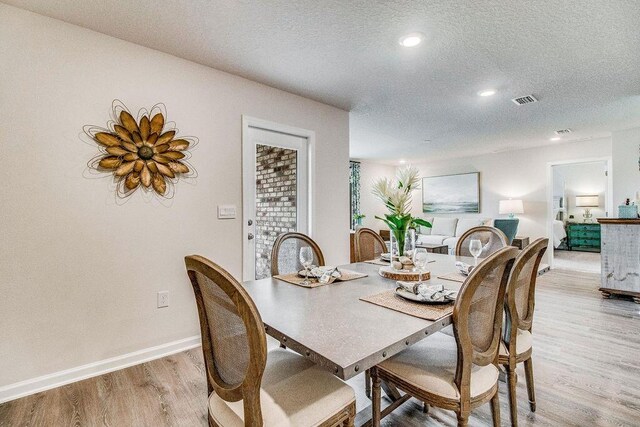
(354,192)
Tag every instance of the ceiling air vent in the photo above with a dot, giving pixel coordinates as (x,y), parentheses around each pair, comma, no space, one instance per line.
(527,99)
(563,131)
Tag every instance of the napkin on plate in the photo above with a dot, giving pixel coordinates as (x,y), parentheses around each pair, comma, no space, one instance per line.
(328,274)
(433,293)
(464,268)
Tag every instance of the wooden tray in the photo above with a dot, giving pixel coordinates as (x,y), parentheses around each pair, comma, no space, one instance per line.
(408,276)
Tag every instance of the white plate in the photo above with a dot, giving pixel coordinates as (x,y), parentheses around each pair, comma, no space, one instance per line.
(413,297)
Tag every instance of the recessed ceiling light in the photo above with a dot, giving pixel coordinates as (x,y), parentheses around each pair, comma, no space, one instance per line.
(402,162)
(555,138)
(488,92)
(411,40)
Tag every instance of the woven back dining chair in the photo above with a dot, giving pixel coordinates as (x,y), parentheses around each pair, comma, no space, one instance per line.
(285,255)
(458,373)
(369,245)
(246,383)
(233,340)
(491,238)
(517,331)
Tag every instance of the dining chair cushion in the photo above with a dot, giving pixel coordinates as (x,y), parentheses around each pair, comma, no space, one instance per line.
(524,341)
(294,392)
(430,365)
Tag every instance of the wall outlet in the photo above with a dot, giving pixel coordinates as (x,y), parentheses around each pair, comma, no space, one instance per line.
(163,299)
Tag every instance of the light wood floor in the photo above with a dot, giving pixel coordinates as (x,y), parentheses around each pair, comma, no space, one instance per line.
(586,366)
(587,262)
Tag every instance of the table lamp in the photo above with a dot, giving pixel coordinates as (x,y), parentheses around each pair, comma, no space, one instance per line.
(587,202)
(511,207)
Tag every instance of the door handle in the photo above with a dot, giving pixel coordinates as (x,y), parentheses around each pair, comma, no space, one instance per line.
(250,236)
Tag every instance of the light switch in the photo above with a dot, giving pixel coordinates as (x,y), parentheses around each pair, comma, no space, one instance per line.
(226,211)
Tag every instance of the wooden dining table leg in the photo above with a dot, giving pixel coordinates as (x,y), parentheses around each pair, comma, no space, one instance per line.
(375,399)
(367,383)
(391,391)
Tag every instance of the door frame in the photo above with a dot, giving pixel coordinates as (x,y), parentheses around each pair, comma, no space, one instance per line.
(247,153)
(608,198)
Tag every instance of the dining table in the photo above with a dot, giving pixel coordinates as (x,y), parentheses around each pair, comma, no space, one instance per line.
(331,326)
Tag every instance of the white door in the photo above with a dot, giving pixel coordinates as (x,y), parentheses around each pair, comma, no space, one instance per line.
(275,192)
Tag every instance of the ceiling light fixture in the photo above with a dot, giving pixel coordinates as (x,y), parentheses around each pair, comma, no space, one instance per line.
(402,162)
(555,138)
(411,40)
(488,92)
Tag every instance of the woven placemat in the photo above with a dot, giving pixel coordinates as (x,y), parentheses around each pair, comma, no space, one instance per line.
(377,261)
(454,277)
(389,299)
(295,279)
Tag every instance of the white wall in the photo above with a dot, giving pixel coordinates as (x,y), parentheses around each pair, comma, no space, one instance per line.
(518,174)
(626,154)
(582,179)
(369,204)
(78,273)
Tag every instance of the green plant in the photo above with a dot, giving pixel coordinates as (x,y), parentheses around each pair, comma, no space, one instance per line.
(358,216)
(396,195)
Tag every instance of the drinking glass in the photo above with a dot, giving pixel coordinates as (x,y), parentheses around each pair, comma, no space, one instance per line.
(306,258)
(475,247)
(420,259)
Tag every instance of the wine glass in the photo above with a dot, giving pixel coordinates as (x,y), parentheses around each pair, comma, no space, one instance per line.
(420,259)
(306,258)
(475,248)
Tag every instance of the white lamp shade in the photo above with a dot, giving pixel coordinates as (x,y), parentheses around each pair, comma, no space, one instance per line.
(587,202)
(511,206)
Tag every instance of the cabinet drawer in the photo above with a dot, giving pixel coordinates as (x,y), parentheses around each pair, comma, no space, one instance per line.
(583,227)
(585,242)
(584,234)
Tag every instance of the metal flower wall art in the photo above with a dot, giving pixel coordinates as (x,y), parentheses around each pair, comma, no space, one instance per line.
(142,153)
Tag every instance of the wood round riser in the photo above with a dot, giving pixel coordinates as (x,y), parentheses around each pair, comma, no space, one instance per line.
(408,276)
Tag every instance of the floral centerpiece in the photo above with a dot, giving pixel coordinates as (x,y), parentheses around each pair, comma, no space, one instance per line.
(396,195)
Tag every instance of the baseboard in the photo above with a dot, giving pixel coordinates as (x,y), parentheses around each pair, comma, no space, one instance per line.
(57,379)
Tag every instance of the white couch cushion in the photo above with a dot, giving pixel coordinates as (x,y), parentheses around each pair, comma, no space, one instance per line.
(451,242)
(465,224)
(432,239)
(426,230)
(294,392)
(430,365)
(444,226)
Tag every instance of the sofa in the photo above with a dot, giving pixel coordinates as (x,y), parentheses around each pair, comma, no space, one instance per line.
(447,231)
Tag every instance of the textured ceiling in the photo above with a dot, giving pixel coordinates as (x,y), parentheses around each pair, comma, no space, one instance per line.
(580,58)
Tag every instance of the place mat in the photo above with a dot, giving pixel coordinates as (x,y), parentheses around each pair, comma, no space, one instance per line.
(389,299)
(295,279)
(455,277)
(377,261)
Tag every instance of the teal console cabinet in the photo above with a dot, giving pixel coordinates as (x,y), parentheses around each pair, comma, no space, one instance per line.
(583,236)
